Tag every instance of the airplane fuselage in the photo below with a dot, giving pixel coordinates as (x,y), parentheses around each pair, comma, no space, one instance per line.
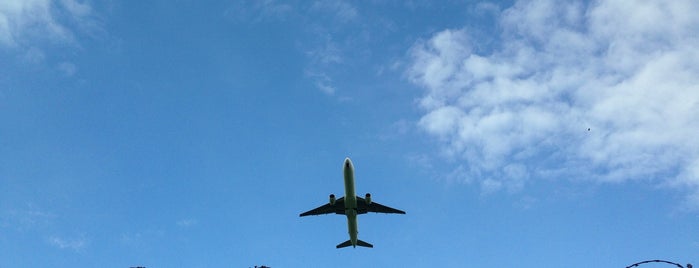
(351,205)
(350,201)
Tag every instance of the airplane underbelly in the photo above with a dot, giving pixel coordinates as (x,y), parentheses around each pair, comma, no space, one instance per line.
(352,224)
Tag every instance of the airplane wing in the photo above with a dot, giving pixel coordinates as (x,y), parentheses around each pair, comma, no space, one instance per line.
(362,207)
(337,208)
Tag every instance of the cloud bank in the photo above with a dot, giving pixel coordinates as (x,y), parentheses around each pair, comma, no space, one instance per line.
(627,71)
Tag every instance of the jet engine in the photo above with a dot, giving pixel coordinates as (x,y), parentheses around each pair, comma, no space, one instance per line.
(367,197)
(332,199)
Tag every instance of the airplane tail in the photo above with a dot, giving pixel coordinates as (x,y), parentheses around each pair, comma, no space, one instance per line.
(364,244)
(359,243)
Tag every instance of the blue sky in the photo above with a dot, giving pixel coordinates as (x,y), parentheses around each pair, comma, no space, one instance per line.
(189,134)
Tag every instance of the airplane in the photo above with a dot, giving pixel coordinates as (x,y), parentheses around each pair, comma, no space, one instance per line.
(351,205)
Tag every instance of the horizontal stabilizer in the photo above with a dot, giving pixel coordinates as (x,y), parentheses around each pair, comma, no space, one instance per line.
(344,244)
(359,243)
(364,244)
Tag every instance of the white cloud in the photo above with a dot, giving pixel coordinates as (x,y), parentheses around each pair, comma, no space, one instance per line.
(31,23)
(627,71)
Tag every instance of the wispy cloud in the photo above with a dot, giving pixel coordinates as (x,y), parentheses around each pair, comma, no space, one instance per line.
(29,27)
(260,11)
(76,8)
(321,59)
(326,53)
(141,238)
(27,218)
(322,81)
(338,10)
(628,72)
(75,244)
(67,68)
(22,19)
(187,222)
(323,42)
(26,22)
